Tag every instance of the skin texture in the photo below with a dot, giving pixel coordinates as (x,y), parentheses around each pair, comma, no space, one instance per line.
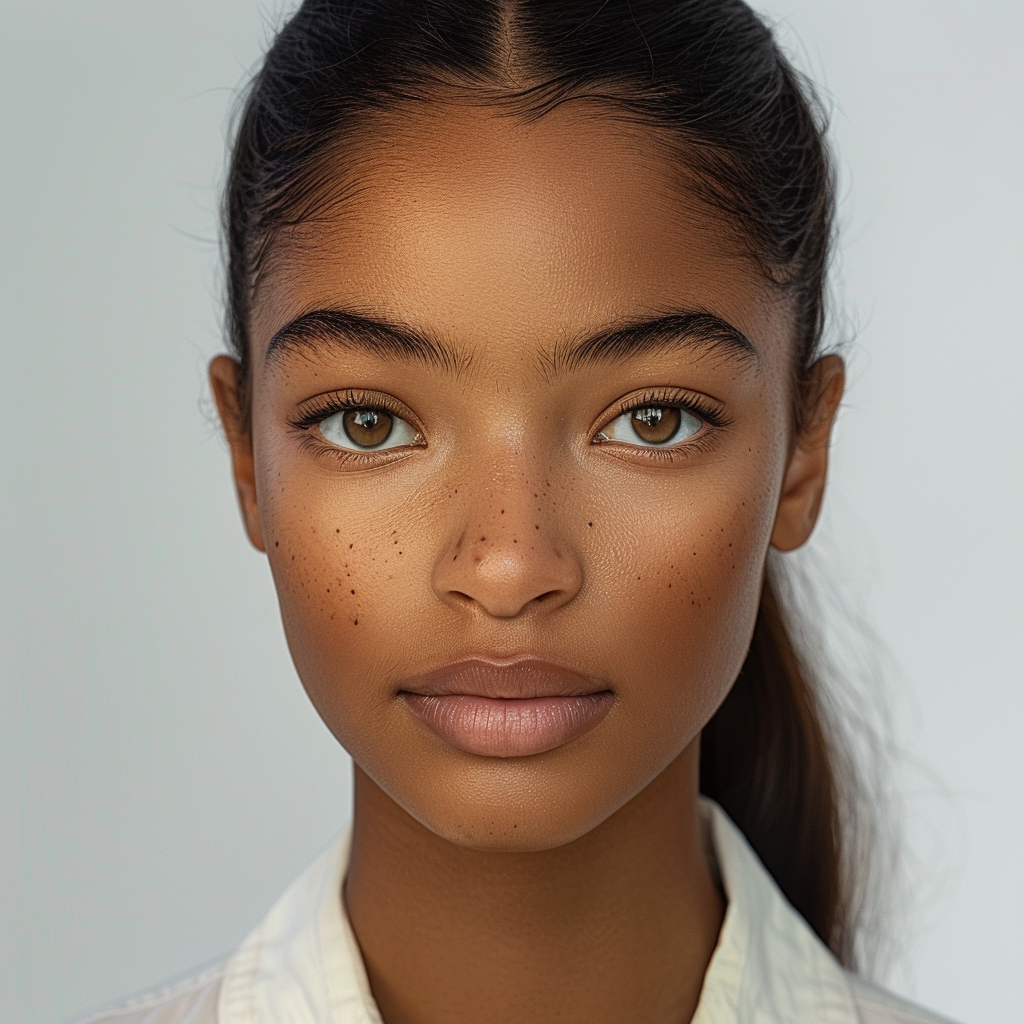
(569,884)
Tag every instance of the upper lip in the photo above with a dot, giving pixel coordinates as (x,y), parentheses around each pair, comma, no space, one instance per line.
(510,678)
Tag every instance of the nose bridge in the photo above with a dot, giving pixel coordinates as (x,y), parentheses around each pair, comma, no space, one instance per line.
(509,548)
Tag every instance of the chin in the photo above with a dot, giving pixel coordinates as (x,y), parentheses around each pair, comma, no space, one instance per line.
(509,807)
(499,830)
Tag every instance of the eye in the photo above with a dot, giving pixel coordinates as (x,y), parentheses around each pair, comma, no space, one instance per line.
(653,425)
(366,429)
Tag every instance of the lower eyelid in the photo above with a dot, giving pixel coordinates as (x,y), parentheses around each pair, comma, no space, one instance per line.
(319,446)
(702,441)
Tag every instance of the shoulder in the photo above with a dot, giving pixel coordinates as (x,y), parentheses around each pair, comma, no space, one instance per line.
(877,1006)
(192,1000)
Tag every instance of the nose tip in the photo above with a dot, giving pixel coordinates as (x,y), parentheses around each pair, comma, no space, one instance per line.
(507,576)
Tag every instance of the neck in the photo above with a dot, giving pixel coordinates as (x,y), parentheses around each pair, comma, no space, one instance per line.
(618,925)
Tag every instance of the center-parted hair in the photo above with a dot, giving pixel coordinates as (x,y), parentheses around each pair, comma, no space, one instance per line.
(708,79)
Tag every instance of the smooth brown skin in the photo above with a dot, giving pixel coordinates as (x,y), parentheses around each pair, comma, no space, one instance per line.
(570,885)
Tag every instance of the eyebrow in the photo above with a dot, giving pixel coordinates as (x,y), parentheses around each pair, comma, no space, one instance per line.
(354,331)
(686,328)
(694,329)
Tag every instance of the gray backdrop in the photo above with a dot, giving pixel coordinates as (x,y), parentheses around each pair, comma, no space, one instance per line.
(163,776)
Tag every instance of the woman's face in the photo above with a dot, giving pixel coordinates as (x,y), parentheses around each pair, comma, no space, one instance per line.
(520,441)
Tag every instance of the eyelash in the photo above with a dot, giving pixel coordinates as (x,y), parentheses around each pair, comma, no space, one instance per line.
(319,408)
(698,405)
(703,408)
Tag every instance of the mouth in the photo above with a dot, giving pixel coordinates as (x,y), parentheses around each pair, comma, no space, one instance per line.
(506,708)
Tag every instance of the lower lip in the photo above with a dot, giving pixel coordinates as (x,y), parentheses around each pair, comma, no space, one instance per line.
(508,727)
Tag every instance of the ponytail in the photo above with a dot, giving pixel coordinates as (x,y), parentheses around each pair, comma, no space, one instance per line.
(768,757)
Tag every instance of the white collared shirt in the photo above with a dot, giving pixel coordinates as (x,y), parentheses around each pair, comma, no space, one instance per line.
(302,964)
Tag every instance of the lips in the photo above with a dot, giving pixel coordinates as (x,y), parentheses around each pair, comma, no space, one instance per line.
(506,709)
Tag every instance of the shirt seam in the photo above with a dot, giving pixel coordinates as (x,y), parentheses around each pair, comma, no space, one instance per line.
(148,1000)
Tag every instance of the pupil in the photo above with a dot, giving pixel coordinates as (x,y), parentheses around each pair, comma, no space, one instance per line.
(368,427)
(656,423)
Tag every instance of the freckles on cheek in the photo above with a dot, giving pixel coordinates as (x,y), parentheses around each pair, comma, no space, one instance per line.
(333,584)
(320,578)
(339,551)
(696,592)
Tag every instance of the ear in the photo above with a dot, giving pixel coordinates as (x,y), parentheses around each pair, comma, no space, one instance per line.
(803,486)
(225,382)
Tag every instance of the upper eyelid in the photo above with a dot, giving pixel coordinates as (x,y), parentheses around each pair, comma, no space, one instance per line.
(710,410)
(318,407)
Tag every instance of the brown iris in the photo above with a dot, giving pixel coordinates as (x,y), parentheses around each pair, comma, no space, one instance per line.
(655,423)
(368,427)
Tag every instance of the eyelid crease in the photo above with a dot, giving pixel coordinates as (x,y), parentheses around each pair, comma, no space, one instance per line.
(703,406)
(319,407)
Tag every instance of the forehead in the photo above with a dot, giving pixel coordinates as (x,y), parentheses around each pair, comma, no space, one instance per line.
(508,235)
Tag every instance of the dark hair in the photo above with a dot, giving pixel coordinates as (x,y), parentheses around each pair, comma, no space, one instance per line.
(749,133)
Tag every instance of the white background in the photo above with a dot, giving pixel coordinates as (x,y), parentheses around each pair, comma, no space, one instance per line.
(162,774)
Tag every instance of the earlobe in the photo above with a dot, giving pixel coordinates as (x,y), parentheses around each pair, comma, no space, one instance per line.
(225,383)
(803,486)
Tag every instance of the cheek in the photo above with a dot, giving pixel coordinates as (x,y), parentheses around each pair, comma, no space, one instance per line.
(687,579)
(344,574)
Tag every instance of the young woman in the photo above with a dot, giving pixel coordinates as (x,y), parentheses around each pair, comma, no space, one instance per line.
(526,302)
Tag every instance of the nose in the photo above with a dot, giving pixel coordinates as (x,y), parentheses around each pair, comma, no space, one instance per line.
(509,551)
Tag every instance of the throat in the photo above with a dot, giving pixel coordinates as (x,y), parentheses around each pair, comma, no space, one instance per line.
(617,925)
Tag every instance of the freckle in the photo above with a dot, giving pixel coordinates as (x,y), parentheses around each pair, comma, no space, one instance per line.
(536,527)
(503,512)
(350,545)
(293,558)
(514,541)
(483,538)
(277,543)
(670,586)
(355,622)
(455,558)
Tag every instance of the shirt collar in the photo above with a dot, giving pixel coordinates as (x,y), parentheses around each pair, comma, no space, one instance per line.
(302,964)
(768,967)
